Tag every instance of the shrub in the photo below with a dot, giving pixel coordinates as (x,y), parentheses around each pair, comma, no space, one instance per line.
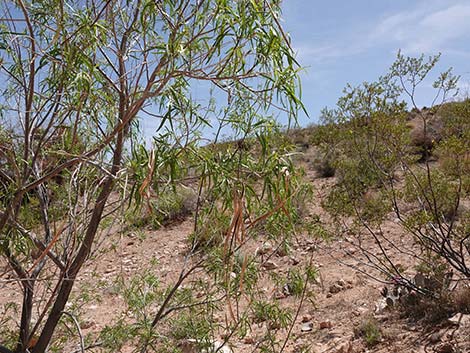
(425,133)
(170,206)
(461,300)
(377,176)
(370,331)
(324,166)
(426,309)
(211,231)
(271,312)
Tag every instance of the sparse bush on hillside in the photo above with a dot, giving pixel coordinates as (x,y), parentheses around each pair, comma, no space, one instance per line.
(324,166)
(378,176)
(426,133)
(370,331)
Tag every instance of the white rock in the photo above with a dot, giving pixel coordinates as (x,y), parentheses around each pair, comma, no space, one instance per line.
(381,305)
(264,249)
(307,327)
(460,319)
(219,347)
(189,346)
(270,265)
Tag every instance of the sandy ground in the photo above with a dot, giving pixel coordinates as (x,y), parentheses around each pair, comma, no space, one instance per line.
(342,299)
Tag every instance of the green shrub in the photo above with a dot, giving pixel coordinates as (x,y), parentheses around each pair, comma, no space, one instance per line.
(169,206)
(324,166)
(377,174)
(271,312)
(370,331)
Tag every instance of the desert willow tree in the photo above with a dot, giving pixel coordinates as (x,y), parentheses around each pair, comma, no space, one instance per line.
(75,77)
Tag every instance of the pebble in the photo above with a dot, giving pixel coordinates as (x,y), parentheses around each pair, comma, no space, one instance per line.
(460,319)
(346,347)
(293,261)
(307,327)
(325,325)
(110,270)
(264,249)
(335,288)
(249,340)
(87,324)
(270,265)
(445,348)
(435,337)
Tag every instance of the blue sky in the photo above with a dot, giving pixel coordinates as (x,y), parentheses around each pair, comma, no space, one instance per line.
(352,41)
(341,41)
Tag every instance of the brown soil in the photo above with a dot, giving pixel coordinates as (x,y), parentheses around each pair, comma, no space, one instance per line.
(343,298)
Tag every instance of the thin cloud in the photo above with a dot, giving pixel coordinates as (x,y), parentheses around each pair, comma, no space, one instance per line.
(311,53)
(417,30)
(424,31)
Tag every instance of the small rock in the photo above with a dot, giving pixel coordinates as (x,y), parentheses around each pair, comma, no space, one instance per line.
(264,249)
(307,327)
(220,347)
(460,319)
(293,261)
(270,265)
(110,270)
(335,288)
(325,325)
(87,324)
(346,347)
(435,337)
(249,340)
(274,325)
(445,348)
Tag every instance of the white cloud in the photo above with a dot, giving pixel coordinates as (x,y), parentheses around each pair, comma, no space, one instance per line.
(310,53)
(424,30)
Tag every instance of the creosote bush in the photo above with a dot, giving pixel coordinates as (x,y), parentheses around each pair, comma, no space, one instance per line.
(384,172)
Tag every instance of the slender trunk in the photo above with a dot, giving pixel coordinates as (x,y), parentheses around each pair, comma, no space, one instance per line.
(26,316)
(71,273)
